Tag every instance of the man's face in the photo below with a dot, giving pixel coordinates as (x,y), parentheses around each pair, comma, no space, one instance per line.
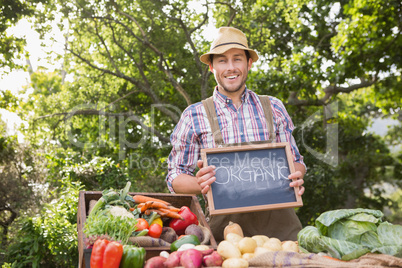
(230,70)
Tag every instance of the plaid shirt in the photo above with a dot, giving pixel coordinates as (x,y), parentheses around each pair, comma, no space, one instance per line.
(244,124)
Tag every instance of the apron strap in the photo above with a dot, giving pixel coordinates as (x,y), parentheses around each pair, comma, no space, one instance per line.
(209,107)
(213,120)
(266,105)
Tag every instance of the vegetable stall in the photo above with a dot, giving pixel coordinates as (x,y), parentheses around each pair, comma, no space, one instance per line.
(121,229)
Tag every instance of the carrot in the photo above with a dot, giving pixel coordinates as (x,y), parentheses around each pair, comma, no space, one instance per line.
(331,258)
(145,206)
(142,199)
(174,209)
(157,204)
(167,213)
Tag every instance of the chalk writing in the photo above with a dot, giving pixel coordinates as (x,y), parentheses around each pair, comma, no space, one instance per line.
(250,178)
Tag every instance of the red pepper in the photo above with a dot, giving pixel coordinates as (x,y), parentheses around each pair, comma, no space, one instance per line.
(180,225)
(106,254)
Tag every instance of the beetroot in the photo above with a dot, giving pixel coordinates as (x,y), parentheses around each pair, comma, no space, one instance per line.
(191,258)
(213,259)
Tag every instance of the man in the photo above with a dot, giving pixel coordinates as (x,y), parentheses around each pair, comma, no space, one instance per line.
(241,119)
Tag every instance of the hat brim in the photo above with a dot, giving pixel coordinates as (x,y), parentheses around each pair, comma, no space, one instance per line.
(205,58)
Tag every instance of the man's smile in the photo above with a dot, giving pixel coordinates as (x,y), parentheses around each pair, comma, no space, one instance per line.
(232,77)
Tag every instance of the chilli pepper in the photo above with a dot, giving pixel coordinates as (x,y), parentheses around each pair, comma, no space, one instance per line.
(133,257)
(106,254)
(180,225)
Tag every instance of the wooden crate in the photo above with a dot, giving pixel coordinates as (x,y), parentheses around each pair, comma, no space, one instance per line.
(177,200)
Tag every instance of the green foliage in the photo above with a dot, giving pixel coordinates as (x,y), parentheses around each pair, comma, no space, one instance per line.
(49,239)
(8,101)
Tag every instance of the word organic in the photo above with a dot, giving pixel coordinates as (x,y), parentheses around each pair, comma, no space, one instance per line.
(247,169)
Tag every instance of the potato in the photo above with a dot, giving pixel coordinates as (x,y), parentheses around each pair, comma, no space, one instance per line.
(202,247)
(260,239)
(247,245)
(261,250)
(155,262)
(290,246)
(233,238)
(191,258)
(173,260)
(228,250)
(273,244)
(248,256)
(235,263)
(213,259)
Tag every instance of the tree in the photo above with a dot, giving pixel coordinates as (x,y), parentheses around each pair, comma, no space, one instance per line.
(11,47)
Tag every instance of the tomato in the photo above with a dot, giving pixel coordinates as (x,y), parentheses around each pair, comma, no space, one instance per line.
(157,221)
(155,230)
(141,224)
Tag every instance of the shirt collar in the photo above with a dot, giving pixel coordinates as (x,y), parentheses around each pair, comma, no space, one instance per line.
(222,99)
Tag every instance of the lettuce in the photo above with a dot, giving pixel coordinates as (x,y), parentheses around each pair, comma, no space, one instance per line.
(350,233)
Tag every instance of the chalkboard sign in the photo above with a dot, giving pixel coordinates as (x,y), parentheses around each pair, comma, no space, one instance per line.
(251,178)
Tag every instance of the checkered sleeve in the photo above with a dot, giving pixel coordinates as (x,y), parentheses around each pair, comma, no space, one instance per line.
(185,148)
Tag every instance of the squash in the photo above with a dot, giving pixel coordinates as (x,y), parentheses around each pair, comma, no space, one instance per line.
(233,228)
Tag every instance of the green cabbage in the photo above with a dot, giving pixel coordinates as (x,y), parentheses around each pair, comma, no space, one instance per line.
(350,233)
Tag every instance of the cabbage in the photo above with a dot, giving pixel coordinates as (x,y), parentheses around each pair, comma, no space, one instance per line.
(350,233)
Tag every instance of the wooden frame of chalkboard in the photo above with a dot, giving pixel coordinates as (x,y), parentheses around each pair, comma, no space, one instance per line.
(250,178)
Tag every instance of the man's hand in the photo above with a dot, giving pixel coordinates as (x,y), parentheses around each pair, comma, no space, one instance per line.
(205,176)
(298,175)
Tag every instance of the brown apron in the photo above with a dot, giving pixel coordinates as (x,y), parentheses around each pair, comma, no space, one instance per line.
(281,223)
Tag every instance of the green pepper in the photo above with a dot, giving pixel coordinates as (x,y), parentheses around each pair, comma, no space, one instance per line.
(186,239)
(133,257)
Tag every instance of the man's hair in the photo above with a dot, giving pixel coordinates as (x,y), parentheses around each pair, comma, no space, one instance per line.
(211,56)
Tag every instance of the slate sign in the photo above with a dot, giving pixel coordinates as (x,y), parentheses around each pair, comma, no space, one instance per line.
(251,178)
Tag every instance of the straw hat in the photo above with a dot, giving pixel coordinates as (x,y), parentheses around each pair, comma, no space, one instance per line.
(228,37)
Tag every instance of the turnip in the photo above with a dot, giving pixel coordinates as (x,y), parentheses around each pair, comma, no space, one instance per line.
(191,258)
(213,259)
(174,259)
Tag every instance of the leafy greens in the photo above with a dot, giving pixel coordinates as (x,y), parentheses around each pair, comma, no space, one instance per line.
(350,233)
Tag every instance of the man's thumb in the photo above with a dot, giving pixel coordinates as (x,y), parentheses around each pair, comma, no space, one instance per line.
(200,163)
